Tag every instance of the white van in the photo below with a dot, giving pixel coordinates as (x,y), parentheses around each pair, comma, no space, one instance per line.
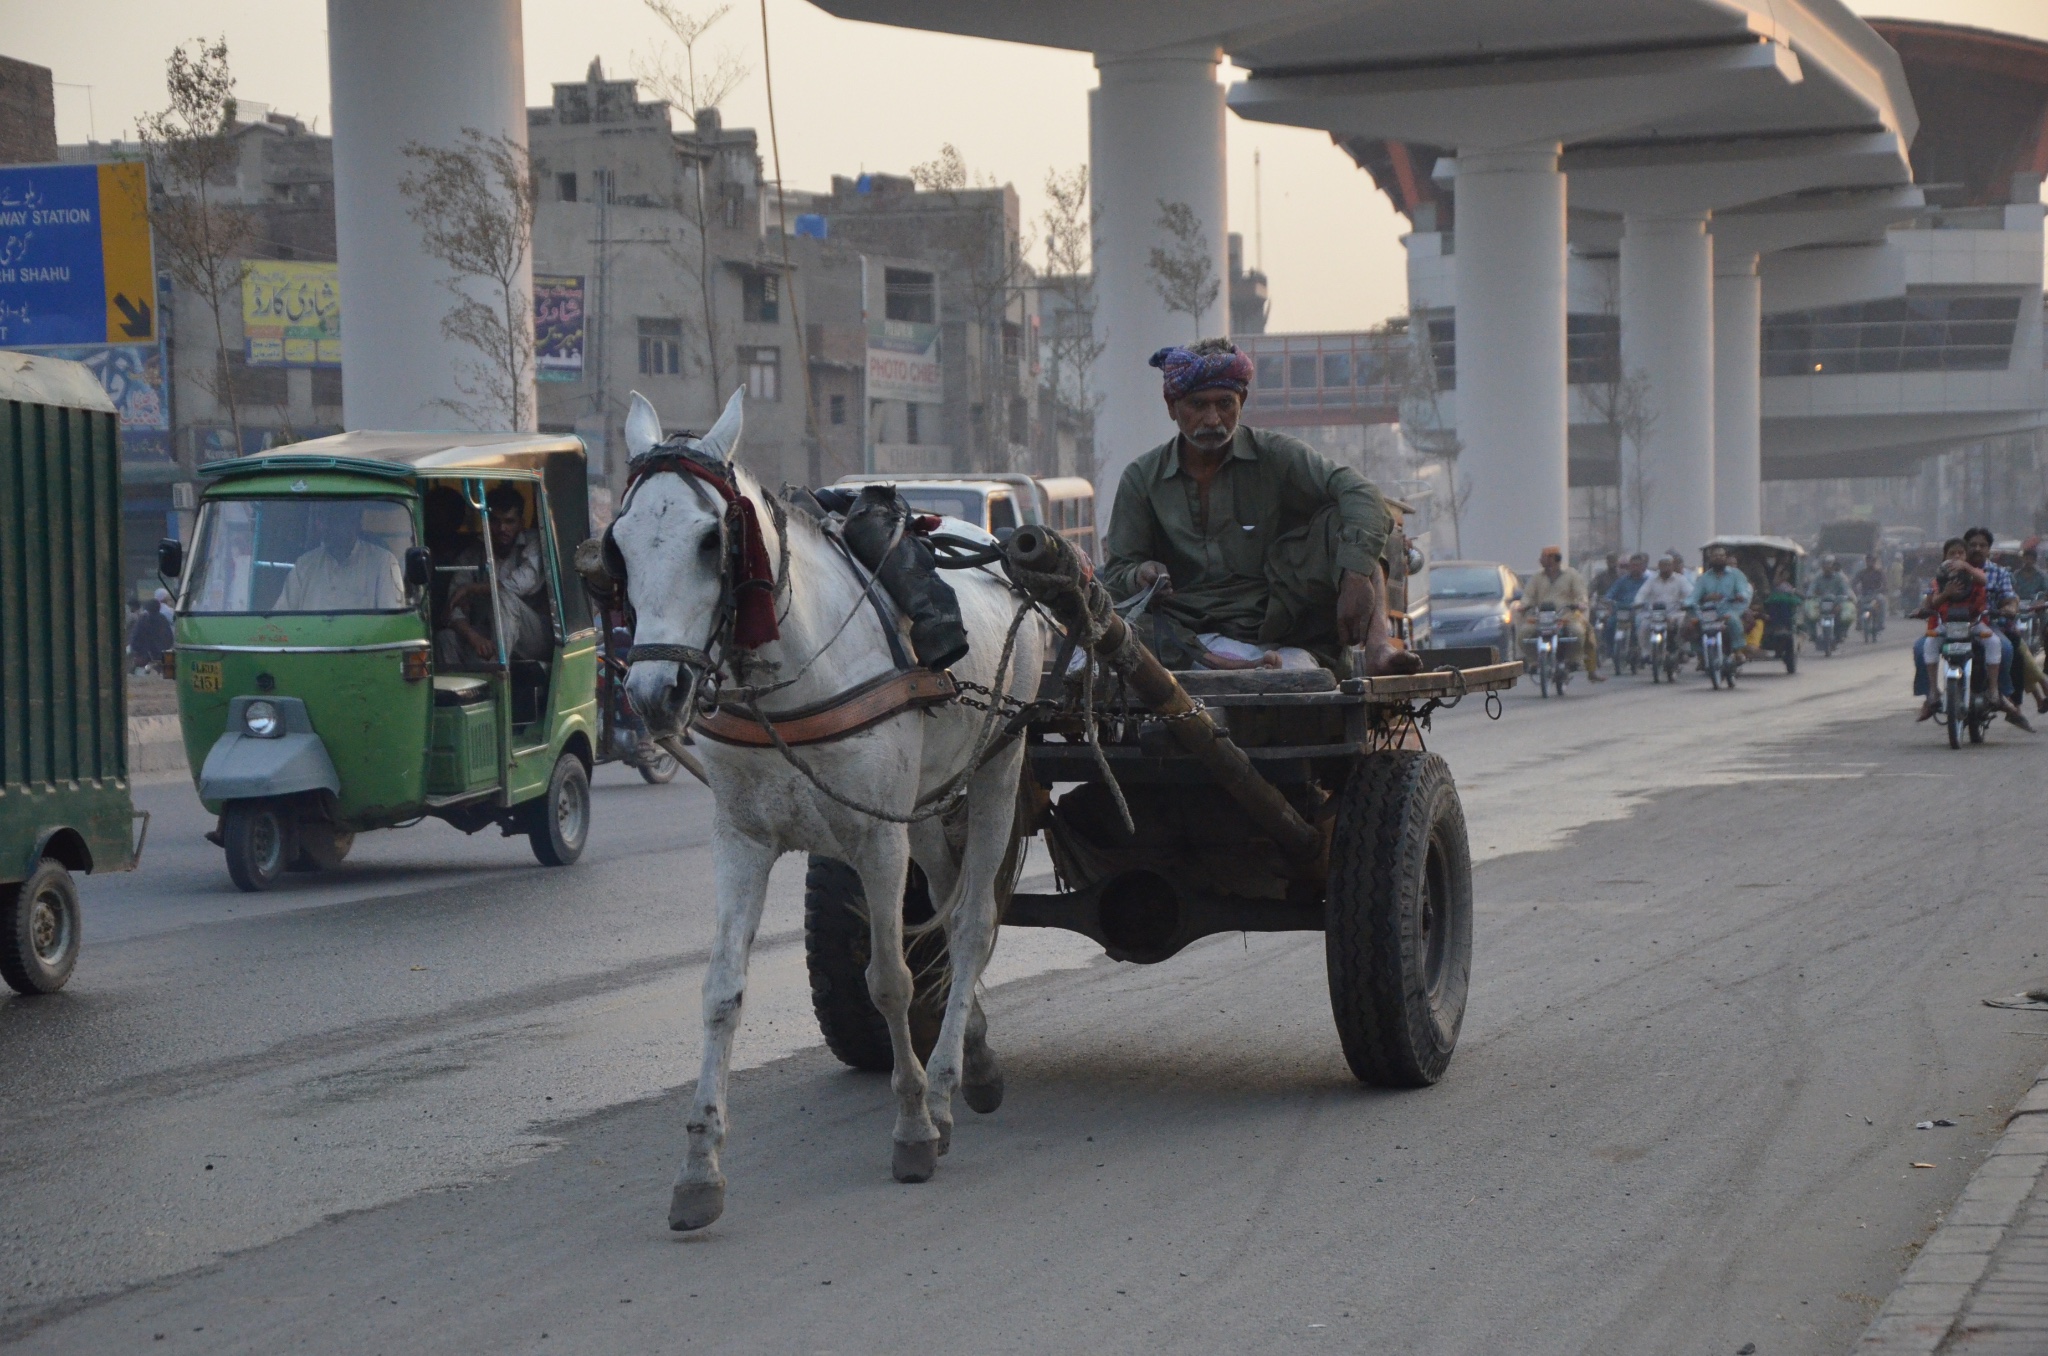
(1064,503)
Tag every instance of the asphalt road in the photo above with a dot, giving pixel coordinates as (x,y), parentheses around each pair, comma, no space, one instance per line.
(1729,948)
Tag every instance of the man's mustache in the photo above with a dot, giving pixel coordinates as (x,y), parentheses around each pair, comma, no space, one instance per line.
(1210,437)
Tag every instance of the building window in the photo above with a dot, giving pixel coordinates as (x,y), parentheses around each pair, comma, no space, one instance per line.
(761,298)
(908,294)
(1593,349)
(1918,332)
(567,184)
(910,423)
(661,347)
(839,409)
(763,369)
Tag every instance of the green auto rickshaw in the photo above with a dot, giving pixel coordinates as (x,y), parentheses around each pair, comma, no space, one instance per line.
(377,627)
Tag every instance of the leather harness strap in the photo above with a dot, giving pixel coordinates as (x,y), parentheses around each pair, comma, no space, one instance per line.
(848,713)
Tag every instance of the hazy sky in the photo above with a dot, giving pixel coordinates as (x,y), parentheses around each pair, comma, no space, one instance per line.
(848,97)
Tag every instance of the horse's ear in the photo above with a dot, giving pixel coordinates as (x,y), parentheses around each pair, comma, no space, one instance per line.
(643,427)
(723,439)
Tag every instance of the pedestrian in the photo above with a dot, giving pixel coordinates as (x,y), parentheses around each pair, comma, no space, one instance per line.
(149,635)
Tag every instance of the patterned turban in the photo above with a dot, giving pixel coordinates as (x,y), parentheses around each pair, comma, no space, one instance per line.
(1188,371)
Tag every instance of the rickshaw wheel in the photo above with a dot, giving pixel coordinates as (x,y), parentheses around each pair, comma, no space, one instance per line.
(558,821)
(1398,919)
(258,843)
(659,770)
(39,930)
(836,951)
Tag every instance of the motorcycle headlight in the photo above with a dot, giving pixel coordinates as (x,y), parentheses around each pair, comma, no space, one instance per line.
(262,720)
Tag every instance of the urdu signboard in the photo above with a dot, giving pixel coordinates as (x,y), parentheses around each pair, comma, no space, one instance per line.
(903,362)
(558,327)
(291,314)
(75,261)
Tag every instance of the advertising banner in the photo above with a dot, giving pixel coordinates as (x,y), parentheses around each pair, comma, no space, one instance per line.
(133,375)
(75,261)
(291,314)
(903,362)
(558,327)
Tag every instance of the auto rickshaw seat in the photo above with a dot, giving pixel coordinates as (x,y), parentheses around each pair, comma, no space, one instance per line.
(460,689)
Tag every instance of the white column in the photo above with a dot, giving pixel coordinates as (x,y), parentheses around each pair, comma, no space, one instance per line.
(1738,395)
(1511,411)
(1155,134)
(1667,336)
(404,72)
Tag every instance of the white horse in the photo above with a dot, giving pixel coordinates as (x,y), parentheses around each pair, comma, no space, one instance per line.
(671,534)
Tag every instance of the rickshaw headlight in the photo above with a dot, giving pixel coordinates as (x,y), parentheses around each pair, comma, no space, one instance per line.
(262,720)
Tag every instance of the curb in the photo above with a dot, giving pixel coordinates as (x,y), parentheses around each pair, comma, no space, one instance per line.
(1924,1307)
(156,748)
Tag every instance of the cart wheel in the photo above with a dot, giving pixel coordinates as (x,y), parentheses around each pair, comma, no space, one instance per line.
(836,954)
(558,822)
(39,927)
(1398,919)
(659,770)
(257,838)
(321,847)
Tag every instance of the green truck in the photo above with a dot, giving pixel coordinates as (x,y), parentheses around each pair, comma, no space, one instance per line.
(64,802)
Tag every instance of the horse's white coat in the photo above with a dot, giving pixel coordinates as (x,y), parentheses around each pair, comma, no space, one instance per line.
(669,536)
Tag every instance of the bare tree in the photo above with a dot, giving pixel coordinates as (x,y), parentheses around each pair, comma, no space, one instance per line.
(1410,355)
(1184,271)
(1073,345)
(1621,404)
(201,236)
(944,173)
(474,203)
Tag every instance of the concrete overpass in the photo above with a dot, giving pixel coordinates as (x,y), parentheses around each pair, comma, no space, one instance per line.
(1671,111)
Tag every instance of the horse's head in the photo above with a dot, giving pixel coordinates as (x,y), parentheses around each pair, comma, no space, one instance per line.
(669,541)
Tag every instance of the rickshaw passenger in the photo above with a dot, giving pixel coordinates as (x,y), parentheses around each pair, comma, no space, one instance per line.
(1264,550)
(458,560)
(521,586)
(346,572)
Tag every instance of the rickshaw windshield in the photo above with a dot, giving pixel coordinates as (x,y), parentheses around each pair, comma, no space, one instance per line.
(299,555)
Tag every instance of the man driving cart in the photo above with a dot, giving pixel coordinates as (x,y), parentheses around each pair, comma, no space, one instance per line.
(1262,552)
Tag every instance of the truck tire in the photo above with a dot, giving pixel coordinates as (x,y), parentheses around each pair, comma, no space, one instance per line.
(1398,919)
(39,930)
(836,955)
(558,821)
(257,835)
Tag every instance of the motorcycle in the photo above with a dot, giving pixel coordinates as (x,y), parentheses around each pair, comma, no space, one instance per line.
(1548,652)
(1714,656)
(1626,649)
(1962,702)
(1827,626)
(1663,645)
(1867,620)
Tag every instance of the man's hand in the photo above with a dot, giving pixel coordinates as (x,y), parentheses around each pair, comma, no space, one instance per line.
(1150,571)
(479,643)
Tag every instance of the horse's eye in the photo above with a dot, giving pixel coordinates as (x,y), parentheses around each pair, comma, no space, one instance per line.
(709,544)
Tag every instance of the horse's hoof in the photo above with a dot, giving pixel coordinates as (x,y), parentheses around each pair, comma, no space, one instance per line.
(945,1136)
(984,1094)
(692,1205)
(915,1162)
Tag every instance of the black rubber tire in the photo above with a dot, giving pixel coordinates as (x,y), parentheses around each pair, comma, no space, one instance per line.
(558,820)
(1791,657)
(1398,919)
(659,770)
(257,835)
(40,925)
(1957,704)
(320,847)
(836,950)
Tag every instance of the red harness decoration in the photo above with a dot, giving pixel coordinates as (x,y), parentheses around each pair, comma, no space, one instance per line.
(754,591)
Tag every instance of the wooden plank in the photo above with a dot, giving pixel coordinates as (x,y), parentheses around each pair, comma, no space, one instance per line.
(1410,686)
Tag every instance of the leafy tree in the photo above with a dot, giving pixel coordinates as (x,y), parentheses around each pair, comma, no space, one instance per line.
(1183,270)
(473,203)
(1073,346)
(202,235)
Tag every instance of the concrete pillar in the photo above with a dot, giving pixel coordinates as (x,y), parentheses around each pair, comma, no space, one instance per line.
(1155,134)
(404,72)
(1667,336)
(1738,395)
(1512,415)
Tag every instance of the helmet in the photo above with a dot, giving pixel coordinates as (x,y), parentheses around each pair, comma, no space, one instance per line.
(1827,562)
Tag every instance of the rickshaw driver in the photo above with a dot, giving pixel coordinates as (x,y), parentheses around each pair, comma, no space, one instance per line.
(1257,542)
(521,585)
(346,571)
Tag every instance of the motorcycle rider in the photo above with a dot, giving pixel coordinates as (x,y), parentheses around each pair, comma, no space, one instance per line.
(1622,594)
(1669,587)
(2030,581)
(1869,586)
(1831,583)
(1960,584)
(1729,588)
(1559,586)
(2002,601)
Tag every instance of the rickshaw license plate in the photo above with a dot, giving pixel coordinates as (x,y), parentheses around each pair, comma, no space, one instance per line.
(206,676)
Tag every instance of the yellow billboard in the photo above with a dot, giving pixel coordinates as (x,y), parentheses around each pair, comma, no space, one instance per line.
(291,314)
